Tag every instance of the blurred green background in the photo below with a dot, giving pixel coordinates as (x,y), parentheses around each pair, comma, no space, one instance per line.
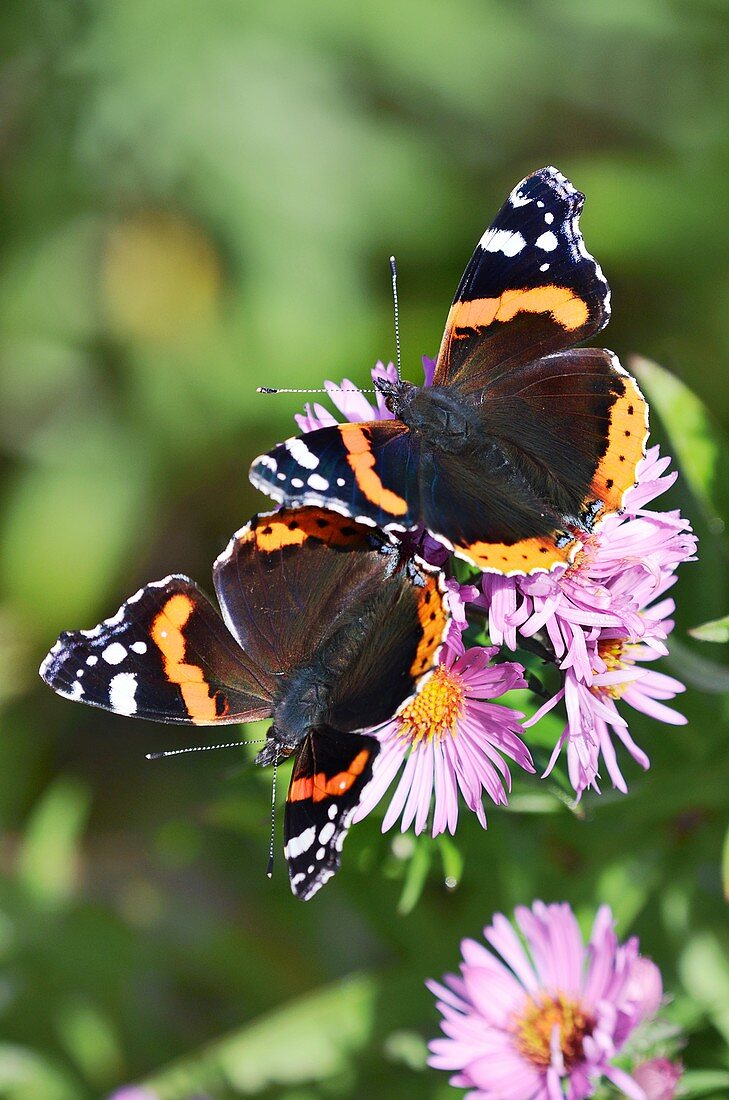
(198,198)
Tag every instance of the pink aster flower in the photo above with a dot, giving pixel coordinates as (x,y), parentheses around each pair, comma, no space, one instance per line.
(351,401)
(658,1078)
(450,738)
(605,617)
(543,1017)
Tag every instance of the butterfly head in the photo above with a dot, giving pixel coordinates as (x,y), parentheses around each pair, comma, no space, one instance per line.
(397,395)
(278,746)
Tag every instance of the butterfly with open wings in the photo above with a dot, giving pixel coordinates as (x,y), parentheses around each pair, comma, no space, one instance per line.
(327,627)
(523,442)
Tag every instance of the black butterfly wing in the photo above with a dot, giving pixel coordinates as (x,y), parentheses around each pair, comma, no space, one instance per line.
(330,772)
(397,646)
(368,471)
(566,434)
(165,655)
(530,289)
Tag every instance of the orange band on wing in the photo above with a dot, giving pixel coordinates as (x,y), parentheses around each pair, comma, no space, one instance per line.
(362,461)
(524,556)
(566,308)
(433,617)
(627,436)
(168,637)
(294,527)
(318,787)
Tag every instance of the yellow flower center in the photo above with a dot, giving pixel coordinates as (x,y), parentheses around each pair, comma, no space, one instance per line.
(535,1028)
(436,709)
(615,653)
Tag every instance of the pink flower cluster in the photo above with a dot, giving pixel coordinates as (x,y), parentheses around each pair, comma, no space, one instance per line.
(605,617)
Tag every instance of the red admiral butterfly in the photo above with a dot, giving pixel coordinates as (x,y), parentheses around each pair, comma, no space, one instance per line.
(523,442)
(327,627)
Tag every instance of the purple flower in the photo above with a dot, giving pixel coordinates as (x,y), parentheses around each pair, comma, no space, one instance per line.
(351,401)
(543,1019)
(450,737)
(605,617)
(658,1078)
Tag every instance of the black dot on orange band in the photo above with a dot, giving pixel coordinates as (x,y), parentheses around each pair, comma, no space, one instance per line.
(293,525)
(609,483)
(322,522)
(622,458)
(630,410)
(627,432)
(542,549)
(348,529)
(267,530)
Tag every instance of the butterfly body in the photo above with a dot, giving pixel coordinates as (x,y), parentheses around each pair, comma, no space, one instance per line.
(523,442)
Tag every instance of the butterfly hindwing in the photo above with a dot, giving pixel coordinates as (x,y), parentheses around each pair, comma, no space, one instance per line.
(331,769)
(530,289)
(165,655)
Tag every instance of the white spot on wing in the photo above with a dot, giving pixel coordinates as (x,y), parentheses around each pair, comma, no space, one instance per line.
(326,832)
(91,661)
(549,218)
(114,654)
(502,240)
(341,481)
(320,853)
(268,462)
(517,199)
(300,453)
(547,242)
(316,481)
(301,843)
(332,812)
(122,692)
(544,267)
(74,692)
(139,647)
(297,483)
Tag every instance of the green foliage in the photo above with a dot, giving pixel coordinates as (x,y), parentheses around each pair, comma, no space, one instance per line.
(202,198)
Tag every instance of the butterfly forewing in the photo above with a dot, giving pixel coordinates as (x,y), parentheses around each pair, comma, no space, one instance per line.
(165,655)
(366,470)
(530,289)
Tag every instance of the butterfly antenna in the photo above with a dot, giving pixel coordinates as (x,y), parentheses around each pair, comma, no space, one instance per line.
(269,869)
(203,748)
(393,269)
(336,389)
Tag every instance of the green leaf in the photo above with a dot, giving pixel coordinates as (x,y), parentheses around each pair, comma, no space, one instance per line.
(415,876)
(704,971)
(725,865)
(715,631)
(701,450)
(24,1075)
(314,1038)
(704,1082)
(452,859)
(696,670)
(48,856)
